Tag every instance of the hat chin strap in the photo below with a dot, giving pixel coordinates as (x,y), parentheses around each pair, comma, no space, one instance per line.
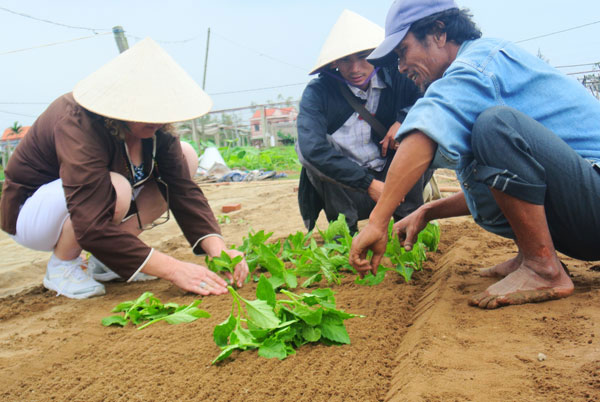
(345,81)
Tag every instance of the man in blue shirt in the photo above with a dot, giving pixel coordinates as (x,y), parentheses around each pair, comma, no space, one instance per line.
(523,138)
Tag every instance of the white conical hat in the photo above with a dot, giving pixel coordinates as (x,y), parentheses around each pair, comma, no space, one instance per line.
(143,84)
(351,34)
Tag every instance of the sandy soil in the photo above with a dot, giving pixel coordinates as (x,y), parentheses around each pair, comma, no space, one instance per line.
(418,342)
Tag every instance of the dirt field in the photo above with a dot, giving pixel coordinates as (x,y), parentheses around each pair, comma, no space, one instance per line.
(418,341)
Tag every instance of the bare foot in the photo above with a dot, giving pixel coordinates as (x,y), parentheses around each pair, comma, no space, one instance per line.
(526,285)
(502,269)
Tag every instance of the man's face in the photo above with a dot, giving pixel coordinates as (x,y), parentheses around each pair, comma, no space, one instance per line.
(355,68)
(421,62)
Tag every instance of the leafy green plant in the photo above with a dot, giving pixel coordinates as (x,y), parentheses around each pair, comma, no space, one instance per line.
(16,127)
(329,261)
(223,263)
(277,327)
(250,158)
(250,247)
(223,219)
(148,309)
(405,263)
(286,139)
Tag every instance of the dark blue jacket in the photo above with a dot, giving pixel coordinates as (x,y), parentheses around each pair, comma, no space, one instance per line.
(323,110)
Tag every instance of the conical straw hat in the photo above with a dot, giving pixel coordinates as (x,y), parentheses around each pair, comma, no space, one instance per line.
(351,33)
(143,84)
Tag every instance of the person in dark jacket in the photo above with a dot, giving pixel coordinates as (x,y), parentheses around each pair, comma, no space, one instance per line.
(101,165)
(345,159)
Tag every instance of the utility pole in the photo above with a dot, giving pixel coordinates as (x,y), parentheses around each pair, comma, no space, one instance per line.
(203,86)
(120,38)
(206,59)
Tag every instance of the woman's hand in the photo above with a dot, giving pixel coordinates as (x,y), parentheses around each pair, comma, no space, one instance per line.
(214,245)
(197,279)
(241,270)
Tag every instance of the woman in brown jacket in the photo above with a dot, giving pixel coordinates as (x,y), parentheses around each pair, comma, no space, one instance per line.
(100,165)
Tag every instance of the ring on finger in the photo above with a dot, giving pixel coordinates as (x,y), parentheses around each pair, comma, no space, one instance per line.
(202,285)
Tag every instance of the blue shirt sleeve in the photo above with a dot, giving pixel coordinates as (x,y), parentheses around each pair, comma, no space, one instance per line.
(448,110)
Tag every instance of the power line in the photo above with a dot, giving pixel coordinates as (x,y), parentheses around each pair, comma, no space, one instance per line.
(557,32)
(584,72)
(578,65)
(54,43)
(24,103)
(52,22)
(257,89)
(17,114)
(260,53)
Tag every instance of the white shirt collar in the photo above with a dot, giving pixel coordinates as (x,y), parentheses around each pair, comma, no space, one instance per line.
(376,83)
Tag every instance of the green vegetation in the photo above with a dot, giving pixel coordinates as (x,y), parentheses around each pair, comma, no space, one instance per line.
(277,327)
(223,263)
(301,256)
(250,158)
(148,309)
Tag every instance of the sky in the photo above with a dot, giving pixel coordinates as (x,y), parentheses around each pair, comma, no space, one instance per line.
(254,44)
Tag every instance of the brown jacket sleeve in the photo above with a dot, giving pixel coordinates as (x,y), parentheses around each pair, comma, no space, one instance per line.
(85,155)
(186,201)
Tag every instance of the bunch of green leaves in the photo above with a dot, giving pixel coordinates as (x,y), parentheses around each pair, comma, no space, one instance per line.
(148,309)
(251,247)
(294,246)
(280,275)
(223,219)
(405,263)
(338,235)
(277,327)
(317,263)
(223,263)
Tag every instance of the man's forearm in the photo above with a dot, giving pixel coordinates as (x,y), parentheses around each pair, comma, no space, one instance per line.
(412,159)
(448,207)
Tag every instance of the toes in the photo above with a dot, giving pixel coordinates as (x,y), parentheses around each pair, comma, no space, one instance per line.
(485,301)
(488,302)
(475,300)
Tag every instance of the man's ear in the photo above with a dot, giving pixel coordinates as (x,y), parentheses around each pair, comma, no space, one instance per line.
(333,65)
(439,34)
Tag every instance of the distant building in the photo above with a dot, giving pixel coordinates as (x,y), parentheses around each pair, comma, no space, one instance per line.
(281,120)
(10,139)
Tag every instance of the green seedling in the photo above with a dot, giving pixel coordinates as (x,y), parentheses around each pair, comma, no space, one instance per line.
(223,263)
(223,219)
(278,327)
(148,309)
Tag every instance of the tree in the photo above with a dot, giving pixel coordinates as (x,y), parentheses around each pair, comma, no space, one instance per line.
(542,57)
(16,128)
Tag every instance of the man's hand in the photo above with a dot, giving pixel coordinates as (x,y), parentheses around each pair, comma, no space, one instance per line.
(389,141)
(375,189)
(370,238)
(241,270)
(409,227)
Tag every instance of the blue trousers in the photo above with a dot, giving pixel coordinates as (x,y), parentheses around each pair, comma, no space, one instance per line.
(517,155)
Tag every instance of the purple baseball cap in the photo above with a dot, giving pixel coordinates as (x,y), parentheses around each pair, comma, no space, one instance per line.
(401,16)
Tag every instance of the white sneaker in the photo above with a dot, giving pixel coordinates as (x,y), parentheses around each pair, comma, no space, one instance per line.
(99,271)
(68,279)
(102,273)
